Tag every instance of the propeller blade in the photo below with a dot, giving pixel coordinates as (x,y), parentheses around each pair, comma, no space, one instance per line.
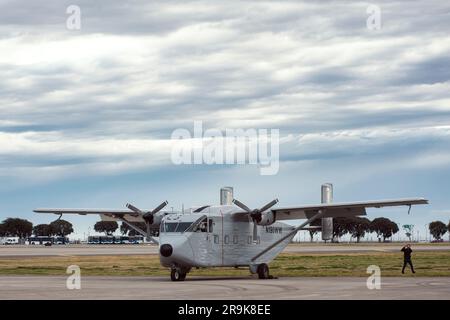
(255,214)
(158,208)
(269,205)
(133,208)
(147,224)
(241,205)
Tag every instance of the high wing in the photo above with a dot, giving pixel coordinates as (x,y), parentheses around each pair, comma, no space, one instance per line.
(105,214)
(347,209)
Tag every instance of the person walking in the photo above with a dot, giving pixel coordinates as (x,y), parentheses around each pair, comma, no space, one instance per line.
(407,258)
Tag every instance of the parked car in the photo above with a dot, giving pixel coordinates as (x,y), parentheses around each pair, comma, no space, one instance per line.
(10,240)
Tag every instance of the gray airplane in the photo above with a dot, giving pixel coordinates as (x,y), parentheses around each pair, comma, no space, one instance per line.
(231,234)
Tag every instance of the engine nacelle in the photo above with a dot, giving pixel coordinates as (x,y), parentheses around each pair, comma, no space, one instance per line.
(157,218)
(267,218)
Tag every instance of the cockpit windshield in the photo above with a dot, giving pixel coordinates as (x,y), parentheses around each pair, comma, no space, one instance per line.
(176,226)
(185,226)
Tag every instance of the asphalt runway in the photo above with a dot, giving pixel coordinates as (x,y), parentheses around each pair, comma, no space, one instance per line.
(92,250)
(230,288)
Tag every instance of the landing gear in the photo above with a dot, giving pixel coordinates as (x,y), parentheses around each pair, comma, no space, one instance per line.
(263,271)
(177,275)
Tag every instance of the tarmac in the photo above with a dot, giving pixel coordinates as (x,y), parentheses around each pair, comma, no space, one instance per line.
(92,250)
(225,288)
(229,288)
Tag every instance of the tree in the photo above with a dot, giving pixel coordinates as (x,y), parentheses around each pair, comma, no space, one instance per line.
(61,228)
(383,227)
(312,232)
(408,230)
(394,229)
(341,226)
(124,229)
(108,227)
(448,228)
(437,229)
(42,230)
(15,227)
(358,227)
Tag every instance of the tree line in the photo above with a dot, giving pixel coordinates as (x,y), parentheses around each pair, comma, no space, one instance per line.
(16,227)
(356,227)
(438,229)
(384,228)
(109,227)
(22,228)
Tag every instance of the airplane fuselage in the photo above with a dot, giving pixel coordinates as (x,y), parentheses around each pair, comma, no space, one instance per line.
(224,238)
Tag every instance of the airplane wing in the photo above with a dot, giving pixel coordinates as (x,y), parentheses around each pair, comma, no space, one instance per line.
(347,209)
(105,214)
(133,214)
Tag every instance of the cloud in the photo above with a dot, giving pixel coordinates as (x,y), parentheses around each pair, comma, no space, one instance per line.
(109,96)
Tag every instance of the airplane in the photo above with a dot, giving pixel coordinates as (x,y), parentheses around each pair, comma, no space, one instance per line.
(230,234)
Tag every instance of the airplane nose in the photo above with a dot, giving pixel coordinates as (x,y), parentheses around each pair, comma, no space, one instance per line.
(166,250)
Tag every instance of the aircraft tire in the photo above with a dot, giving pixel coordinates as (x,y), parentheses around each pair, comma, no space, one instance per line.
(177,275)
(263,271)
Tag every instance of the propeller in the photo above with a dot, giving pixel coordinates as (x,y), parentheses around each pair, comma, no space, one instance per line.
(255,214)
(148,215)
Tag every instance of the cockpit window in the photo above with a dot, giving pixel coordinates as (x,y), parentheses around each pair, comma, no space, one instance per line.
(176,226)
(199,226)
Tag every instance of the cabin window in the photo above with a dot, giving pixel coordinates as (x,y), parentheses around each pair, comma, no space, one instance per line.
(227,239)
(216,238)
(210,225)
(235,239)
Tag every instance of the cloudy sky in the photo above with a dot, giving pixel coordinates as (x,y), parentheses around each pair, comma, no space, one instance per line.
(86,115)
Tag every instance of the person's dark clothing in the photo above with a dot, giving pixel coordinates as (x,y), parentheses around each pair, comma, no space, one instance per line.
(407,253)
(407,259)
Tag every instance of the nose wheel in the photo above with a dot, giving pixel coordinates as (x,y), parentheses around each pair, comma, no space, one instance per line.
(177,275)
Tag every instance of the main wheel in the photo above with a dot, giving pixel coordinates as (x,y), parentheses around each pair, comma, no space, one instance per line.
(177,275)
(263,271)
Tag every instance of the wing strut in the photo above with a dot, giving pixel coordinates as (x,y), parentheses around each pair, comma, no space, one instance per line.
(293,232)
(137,229)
